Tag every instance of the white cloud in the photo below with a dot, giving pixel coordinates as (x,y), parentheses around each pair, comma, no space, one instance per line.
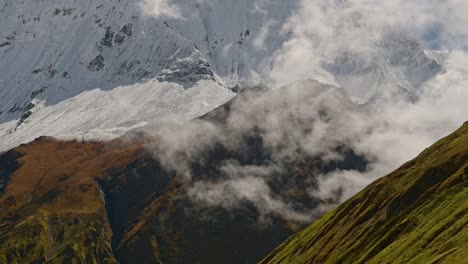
(161,8)
(261,38)
(401,131)
(287,121)
(321,29)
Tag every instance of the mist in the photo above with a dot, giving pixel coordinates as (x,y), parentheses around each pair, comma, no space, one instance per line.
(161,8)
(321,30)
(309,112)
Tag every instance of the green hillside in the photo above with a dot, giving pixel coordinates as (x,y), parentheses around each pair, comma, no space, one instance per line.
(417,214)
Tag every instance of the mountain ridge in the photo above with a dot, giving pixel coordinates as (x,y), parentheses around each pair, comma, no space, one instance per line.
(416,214)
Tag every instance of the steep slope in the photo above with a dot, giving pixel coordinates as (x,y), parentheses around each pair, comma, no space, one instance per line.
(69,57)
(417,214)
(54,50)
(96,69)
(88,202)
(51,210)
(105,115)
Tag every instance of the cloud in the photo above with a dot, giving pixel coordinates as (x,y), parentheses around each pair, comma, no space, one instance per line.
(261,38)
(303,120)
(161,8)
(321,30)
(247,186)
(243,157)
(399,132)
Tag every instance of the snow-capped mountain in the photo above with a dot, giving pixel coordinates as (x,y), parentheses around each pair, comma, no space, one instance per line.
(94,69)
(237,37)
(97,68)
(397,67)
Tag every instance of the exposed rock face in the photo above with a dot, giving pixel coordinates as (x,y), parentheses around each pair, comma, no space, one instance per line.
(9,161)
(108,38)
(97,63)
(4,44)
(188,72)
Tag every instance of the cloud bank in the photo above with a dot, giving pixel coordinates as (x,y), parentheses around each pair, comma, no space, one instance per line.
(295,124)
(321,30)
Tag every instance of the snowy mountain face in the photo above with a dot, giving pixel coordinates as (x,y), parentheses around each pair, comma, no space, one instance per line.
(94,69)
(237,37)
(397,68)
(63,48)
(68,68)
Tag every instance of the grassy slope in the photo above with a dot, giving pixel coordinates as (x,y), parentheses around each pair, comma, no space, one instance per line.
(52,208)
(70,202)
(417,214)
